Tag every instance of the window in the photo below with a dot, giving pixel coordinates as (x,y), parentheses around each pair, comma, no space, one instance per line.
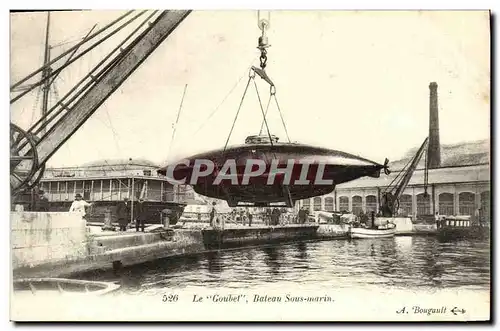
(371,203)
(146,172)
(357,205)
(343,203)
(317,203)
(466,203)
(485,206)
(329,204)
(423,204)
(446,204)
(406,205)
(306,203)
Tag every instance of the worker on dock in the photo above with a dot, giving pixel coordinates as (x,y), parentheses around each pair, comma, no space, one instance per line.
(372,221)
(275,216)
(140,215)
(42,202)
(250,217)
(213,214)
(436,219)
(123,214)
(267,216)
(79,206)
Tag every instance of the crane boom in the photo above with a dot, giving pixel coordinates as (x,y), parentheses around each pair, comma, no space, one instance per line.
(95,96)
(407,176)
(390,201)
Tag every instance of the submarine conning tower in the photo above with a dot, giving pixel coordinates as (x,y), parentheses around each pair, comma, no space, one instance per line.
(434,148)
(261,139)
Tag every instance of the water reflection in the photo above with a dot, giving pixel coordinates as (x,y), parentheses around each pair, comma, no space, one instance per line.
(214,262)
(391,262)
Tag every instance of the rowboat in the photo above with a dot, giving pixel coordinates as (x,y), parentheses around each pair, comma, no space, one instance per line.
(35,286)
(368,233)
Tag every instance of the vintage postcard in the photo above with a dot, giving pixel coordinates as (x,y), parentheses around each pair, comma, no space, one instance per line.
(250,165)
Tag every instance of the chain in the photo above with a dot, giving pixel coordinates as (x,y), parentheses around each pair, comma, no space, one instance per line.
(263,41)
(263,58)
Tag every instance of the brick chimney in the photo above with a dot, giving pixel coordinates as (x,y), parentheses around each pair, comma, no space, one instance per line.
(434,149)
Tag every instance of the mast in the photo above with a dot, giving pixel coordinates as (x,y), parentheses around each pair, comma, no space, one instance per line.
(46,72)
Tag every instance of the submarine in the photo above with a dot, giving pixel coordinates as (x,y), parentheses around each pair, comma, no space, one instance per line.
(265,172)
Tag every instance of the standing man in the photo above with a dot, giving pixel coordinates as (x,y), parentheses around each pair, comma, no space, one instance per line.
(41,203)
(250,217)
(140,215)
(302,215)
(268,216)
(79,206)
(436,219)
(213,214)
(123,214)
(372,223)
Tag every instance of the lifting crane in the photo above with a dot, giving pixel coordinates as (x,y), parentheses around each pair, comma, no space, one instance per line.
(31,149)
(391,195)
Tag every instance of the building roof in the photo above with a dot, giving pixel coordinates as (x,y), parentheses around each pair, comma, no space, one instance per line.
(120,162)
(462,154)
(474,173)
(195,202)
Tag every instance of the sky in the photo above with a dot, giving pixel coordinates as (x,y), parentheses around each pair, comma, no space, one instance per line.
(353,81)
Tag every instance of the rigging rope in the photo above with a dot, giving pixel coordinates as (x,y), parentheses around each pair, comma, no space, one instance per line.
(281,115)
(52,73)
(263,114)
(267,109)
(45,66)
(224,99)
(53,113)
(176,122)
(250,77)
(71,56)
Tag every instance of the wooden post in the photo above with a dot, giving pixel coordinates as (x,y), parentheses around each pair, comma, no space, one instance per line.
(110,191)
(132,201)
(102,191)
(433,199)
(92,190)
(119,189)
(128,188)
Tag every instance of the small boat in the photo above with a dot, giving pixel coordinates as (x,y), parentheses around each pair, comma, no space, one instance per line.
(385,231)
(461,227)
(63,286)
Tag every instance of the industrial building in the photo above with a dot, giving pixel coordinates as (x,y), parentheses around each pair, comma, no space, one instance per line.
(458,180)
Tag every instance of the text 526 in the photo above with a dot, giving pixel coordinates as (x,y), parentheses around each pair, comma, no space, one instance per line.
(170,298)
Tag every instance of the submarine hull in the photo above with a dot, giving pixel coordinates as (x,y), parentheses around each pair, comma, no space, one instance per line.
(299,172)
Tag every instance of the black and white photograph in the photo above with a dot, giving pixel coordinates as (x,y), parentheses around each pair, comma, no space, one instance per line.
(250,165)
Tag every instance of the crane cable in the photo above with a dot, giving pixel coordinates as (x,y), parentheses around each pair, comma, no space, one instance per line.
(176,122)
(263,44)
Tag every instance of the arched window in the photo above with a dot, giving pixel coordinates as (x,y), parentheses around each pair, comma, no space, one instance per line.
(343,203)
(406,205)
(357,204)
(371,203)
(446,204)
(306,203)
(317,203)
(466,203)
(485,207)
(329,205)
(423,204)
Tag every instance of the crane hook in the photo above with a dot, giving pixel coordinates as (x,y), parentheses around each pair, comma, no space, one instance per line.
(263,42)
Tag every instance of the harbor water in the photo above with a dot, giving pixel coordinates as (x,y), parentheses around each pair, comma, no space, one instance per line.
(418,264)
